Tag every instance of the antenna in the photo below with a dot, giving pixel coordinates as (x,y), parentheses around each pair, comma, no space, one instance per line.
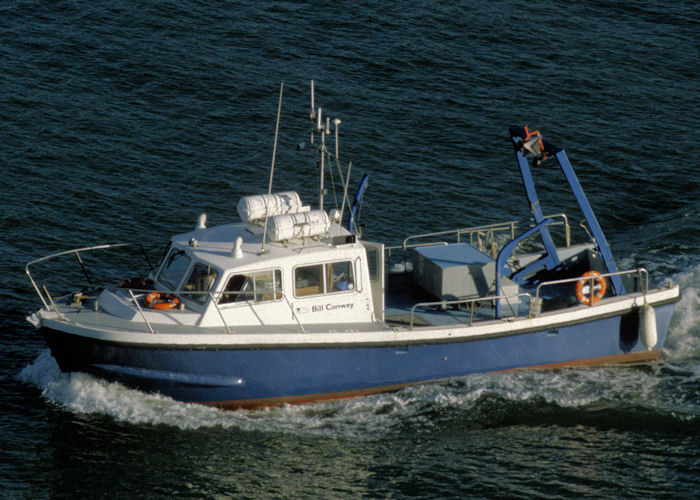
(345,195)
(324,128)
(336,124)
(346,180)
(272,170)
(323,156)
(312,115)
(313,108)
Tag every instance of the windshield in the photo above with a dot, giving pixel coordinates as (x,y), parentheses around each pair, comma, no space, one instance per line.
(174,269)
(163,254)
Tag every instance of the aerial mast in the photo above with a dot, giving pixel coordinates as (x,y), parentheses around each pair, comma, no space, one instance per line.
(272,169)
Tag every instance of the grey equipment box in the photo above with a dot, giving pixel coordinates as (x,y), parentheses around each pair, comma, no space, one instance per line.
(458,271)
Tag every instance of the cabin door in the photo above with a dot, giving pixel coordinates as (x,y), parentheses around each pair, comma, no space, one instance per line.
(375,262)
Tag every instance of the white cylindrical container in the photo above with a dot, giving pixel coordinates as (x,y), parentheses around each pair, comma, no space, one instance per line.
(252,208)
(301,225)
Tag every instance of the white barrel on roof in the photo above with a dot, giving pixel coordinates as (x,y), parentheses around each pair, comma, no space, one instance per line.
(299,225)
(252,208)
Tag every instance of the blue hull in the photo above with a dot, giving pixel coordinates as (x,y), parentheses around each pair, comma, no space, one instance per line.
(233,378)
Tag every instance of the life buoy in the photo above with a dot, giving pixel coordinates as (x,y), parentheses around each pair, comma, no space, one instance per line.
(600,286)
(161,300)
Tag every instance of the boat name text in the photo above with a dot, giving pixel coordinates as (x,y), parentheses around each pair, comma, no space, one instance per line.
(325,307)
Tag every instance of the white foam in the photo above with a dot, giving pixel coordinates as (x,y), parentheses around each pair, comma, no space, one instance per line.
(570,388)
(85,394)
(683,339)
(370,417)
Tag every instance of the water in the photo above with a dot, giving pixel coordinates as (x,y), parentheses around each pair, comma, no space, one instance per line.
(124,121)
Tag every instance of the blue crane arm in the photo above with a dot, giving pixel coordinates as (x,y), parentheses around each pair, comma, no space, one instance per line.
(539,152)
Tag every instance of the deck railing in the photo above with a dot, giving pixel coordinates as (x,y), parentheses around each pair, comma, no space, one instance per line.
(641,273)
(135,293)
(479,236)
(143,315)
(471,302)
(534,302)
(49,303)
(77,252)
(214,297)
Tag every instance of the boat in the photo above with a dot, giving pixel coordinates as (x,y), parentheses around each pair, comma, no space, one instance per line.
(291,305)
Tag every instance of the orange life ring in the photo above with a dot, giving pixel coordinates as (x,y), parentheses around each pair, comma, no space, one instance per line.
(600,285)
(161,300)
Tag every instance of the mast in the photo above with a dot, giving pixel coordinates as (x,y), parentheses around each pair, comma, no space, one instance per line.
(324,128)
(319,127)
(272,169)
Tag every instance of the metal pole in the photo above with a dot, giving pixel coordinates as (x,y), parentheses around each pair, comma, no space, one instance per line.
(143,315)
(85,272)
(272,167)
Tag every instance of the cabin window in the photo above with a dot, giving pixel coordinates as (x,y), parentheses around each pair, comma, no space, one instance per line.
(308,280)
(174,269)
(323,278)
(340,276)
(201,280)
(259,286)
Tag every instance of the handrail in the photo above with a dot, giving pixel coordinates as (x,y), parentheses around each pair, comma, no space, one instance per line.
(48,302)
(55,307)
(468,230)
(221,315)
(83,249)
(211,295)
(143,315)
(474,300)
(488,228)
(76,252)
(639,271)
(567,228)
(294,315)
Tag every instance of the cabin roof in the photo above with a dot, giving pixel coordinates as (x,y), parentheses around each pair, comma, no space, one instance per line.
(214,245)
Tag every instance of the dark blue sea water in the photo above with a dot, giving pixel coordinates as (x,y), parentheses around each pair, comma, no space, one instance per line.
(123,121)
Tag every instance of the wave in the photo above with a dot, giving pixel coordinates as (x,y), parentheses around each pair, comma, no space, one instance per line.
(657,396)
(683,340)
